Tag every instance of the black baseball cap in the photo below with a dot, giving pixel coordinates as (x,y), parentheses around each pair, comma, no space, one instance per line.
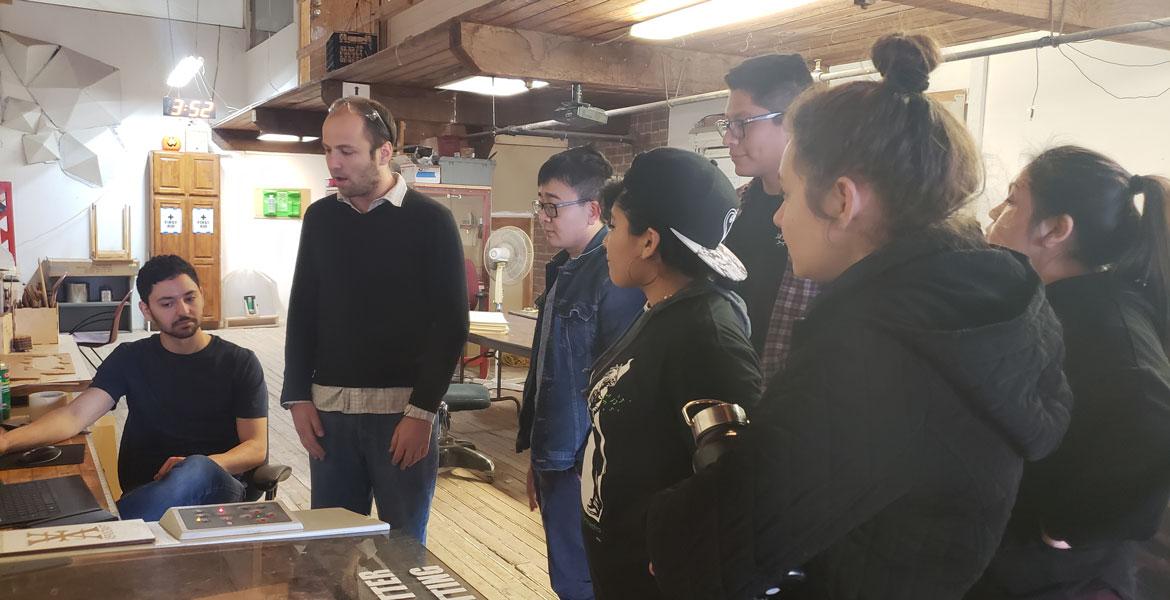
(687,194)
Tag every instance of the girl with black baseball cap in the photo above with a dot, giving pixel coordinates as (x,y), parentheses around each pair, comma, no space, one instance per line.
(885,459)
(668,218)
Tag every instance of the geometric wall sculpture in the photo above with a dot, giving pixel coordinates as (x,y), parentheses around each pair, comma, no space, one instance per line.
(21,115)
(78,92)
(76,100)
(41,147)
(26,55)
(79,161)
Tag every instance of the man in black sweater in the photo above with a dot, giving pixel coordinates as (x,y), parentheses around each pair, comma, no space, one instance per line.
(762,88)
(377,321)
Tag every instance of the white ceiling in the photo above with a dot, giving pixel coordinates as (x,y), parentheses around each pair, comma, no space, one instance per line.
(229,13)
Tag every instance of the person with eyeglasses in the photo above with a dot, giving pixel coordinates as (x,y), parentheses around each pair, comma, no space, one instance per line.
(753,131)
(581,314)
(377,321)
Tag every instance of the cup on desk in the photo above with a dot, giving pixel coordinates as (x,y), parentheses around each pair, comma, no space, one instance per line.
(40,403)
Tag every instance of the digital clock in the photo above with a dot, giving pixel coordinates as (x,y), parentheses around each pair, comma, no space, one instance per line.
(192,109)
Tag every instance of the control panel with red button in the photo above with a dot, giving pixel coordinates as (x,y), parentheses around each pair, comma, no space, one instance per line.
(220,520)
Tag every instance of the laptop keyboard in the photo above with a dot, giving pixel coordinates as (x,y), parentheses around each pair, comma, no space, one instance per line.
(28,501)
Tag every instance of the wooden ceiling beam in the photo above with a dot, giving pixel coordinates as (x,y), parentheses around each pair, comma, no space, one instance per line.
(1061,15)
(438,106)
(525,54)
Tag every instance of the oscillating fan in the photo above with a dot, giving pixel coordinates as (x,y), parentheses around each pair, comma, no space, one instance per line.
(508,258)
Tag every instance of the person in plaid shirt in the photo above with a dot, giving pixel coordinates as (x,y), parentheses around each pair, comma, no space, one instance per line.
(761,90)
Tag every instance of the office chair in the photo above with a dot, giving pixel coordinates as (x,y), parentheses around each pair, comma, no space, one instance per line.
(264,479)
(96,339)
(454,452)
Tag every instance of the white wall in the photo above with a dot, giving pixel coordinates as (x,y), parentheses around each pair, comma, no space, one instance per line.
(1069,108)
(51,208)
(265,245)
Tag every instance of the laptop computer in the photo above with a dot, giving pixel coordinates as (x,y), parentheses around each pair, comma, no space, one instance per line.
(36,502)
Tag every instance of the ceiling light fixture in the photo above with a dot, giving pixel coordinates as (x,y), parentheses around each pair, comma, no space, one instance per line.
(709,15)
(185,71)
(280,137)
(492,86)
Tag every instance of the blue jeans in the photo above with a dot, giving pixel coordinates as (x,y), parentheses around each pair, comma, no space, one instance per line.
(559,493)
(357,467)
(197,480)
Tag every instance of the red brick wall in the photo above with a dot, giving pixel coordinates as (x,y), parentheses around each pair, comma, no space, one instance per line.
(650,130)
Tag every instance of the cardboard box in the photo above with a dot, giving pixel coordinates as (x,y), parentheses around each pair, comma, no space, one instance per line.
(43,324)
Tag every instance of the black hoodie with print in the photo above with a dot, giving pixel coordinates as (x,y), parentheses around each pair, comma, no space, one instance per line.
(692,346)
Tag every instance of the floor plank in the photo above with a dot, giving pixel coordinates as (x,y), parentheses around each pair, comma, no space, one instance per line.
(484,531)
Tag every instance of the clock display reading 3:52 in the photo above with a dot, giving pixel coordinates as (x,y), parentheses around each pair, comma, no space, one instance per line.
(192,109)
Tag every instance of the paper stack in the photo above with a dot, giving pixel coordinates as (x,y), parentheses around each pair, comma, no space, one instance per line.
(488,322)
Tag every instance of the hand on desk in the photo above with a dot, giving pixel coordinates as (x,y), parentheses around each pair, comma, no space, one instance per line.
(308,426)
(411,442)
(167,466)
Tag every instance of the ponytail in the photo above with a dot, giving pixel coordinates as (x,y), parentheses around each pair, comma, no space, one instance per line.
(1149,260)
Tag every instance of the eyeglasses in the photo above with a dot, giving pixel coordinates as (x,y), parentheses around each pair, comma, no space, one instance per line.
(550,209)
(368,112)
(736,126)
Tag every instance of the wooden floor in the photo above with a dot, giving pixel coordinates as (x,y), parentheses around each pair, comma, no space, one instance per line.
(485,532)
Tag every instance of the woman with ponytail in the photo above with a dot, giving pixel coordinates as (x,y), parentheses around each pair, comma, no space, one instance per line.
(884,461)
(1100,239)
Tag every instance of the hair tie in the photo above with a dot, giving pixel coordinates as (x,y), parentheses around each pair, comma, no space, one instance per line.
(1137,185)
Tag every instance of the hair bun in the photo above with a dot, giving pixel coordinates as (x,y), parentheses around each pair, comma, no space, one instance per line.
(905,61)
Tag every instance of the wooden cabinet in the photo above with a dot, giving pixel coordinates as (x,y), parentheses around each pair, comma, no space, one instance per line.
(204,174)
(166,172)
(184,218)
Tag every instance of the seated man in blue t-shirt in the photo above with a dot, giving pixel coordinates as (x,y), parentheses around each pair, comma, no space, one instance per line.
(198,407)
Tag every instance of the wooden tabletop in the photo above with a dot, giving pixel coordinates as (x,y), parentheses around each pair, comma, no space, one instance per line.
(88,469)
(517,341)
(73,382)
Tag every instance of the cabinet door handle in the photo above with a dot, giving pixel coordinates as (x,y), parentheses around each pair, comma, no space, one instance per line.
(454,196)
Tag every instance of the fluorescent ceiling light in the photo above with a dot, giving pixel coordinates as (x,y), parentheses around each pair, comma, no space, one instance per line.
(278,137)
(185,71)
(309,138)
(492,86)
(709,15)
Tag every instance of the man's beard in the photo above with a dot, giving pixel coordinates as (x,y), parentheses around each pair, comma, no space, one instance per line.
(177,333)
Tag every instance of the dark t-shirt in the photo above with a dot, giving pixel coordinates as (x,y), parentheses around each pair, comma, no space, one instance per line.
(180,404)
(692,347)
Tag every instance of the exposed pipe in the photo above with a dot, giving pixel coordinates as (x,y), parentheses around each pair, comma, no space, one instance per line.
(554,133)
(1050,40)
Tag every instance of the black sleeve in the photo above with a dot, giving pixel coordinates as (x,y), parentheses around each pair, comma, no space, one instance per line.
(826,450)
(111,376)
(301,334)
(1110,479)
(249,393)
(447,291)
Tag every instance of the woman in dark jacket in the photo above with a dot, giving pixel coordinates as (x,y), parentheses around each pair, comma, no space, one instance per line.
(668,218)
(885,459)
(1081,511)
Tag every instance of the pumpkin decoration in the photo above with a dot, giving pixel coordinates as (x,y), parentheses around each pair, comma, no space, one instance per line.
(171,142)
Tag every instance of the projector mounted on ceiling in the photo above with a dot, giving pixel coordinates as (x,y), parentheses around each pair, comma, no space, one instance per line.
(579,114)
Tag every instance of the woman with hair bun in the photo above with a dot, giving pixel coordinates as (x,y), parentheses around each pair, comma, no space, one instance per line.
(1106,264)
(884,461)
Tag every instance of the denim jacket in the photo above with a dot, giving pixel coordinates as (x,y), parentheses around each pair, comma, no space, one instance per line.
(589,313)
